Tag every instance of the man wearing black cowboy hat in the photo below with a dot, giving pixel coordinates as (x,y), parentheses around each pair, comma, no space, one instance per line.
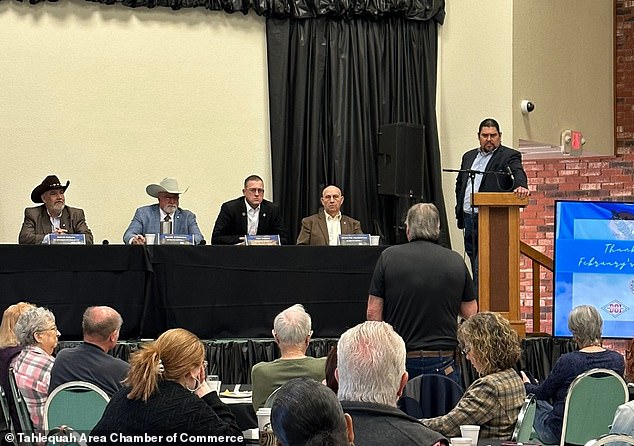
(53,216)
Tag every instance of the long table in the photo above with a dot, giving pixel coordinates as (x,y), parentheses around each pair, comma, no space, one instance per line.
(217,292)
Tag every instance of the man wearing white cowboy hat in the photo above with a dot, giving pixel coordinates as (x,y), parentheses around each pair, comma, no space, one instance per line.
(147,219)
(53,216)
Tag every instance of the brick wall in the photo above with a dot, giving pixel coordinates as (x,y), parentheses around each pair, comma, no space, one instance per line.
(609,178)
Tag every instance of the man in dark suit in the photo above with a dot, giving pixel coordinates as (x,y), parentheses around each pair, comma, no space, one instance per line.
(250,214)
(324,227)
(504,173)
(53,216)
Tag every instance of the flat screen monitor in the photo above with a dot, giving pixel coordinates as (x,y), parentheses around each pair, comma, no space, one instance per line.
(594,264)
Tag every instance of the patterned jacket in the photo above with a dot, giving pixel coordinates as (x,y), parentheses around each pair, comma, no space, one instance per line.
(492,402)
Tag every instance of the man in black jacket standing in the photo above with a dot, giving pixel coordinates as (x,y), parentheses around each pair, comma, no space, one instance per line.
(503,173)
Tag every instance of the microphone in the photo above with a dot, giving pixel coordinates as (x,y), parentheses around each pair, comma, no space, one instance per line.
(203,242)
(105,242)
(510,173)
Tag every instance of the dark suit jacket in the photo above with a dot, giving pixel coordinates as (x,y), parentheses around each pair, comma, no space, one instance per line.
(491,182)
(231,223)
(315,230)
(37,224)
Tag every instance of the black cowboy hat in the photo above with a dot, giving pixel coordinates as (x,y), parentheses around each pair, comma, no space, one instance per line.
(50,182)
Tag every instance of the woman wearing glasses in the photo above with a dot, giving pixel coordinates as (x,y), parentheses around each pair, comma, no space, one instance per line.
(37,333)
(165,398)
(494,400)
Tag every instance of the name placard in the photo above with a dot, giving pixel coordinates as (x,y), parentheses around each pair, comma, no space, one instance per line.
(262,240)
(64,239)
(176,239)
(354,239)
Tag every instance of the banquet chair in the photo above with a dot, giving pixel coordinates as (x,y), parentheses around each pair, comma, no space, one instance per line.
(24,417)
(7,422)
(75,404)
(621,439)
(429,396)
(591,402)
(525,418)
(271,398)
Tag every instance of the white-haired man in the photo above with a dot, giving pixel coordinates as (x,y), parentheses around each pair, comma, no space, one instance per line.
(421,288)
(292,332)
(147,219)
(371,374)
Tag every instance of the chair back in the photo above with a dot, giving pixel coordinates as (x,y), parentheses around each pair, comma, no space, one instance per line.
(76,404)
(6,421)
(591,402)
(620,439)
(430,395)
(525,418)
(24,416)
(271,398)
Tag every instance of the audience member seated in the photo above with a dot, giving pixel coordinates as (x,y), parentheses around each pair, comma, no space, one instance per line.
(9,349)
(371,374)
(90,361)
(493,401)
(585,324)
(291,331)
(307,413)
(623,421)
(37,334)
(166,393)
(331,366)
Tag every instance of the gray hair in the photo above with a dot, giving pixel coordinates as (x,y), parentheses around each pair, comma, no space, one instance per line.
(586,325)
(33,321)
(370,363)
(423,222)
(292,325)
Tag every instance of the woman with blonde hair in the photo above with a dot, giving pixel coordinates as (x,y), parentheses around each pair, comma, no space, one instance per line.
(493,401)
(165,393)
(9,349)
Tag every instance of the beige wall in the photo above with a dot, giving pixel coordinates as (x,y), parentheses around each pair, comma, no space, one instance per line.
(475,82)
(563,61)
(115,98)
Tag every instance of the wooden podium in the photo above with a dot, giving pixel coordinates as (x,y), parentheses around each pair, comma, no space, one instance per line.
(499,254)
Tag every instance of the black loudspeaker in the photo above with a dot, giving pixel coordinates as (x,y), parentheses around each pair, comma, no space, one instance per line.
(400,160)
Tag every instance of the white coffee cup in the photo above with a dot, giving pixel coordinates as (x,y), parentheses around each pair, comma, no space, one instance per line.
(214,383)
(461,441)
(264,417)
(374,240)
(150,239)
(470,431)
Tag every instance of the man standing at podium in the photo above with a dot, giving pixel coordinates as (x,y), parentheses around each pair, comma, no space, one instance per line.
(503,172)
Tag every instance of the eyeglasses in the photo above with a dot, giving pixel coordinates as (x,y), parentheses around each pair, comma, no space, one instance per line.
(53,328)
(254,190)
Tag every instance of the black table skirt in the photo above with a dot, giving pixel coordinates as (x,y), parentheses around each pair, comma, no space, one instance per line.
(232,359)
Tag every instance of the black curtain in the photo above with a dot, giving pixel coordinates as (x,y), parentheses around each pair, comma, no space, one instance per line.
(334,79)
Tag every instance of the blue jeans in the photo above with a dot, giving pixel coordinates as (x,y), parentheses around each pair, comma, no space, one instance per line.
(543,430)
(442,365)
(469,246)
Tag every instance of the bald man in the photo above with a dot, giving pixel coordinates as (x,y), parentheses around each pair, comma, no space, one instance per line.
(90,361)
(324,227)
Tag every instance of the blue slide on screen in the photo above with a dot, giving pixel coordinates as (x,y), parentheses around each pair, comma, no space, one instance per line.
(594,264)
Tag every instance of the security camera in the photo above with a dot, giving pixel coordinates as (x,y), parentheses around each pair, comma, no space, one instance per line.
(527,107)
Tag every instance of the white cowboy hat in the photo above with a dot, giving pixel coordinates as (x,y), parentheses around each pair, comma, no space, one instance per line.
(169,185)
